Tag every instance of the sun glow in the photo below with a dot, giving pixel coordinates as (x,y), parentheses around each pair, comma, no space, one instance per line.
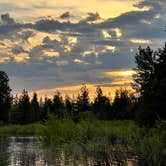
(126,73)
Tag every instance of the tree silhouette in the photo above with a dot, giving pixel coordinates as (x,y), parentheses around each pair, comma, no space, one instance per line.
(47,107)
(25,106)
(68,104)
(5,97)
(160,83)
(101,105)
(35,107)
(83,99)
(150,82)
(121,104)
(58,105)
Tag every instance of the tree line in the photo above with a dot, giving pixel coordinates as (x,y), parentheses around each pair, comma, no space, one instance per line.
(146,107)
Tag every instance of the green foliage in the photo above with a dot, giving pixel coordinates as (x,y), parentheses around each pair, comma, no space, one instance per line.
(106,140)
(115,140)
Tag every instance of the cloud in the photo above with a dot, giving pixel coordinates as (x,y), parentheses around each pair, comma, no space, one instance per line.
(50,51)
(91,17)
(6,19)
(65,15)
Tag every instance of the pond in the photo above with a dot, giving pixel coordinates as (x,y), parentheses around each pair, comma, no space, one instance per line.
(29,151)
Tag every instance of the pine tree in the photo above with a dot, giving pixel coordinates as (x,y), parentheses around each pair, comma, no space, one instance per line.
(25,106)
(58,105)
(68,104)
(35,108)
(83,99)
(5,97)
(150,82)
(121,104)
(101,105)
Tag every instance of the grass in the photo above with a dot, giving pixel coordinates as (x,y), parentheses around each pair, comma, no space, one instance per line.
(107,140)
(17,130)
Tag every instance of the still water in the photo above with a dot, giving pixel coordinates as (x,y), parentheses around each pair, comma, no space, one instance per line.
(28,151)
(25,151)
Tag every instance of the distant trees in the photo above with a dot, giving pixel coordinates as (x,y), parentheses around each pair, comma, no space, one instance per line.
(149,81)
(5,97)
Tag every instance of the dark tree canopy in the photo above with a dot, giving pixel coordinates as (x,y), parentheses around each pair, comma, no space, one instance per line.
(120,106)
(101,105)
(35,108)
(150,82)
(83,99)
(25,107)
(5,97)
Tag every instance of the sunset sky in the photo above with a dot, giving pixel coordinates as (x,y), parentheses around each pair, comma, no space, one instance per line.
(60,44)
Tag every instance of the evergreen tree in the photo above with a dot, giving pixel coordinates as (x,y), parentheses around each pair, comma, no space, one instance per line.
(121,104)
(15,111)
(101,105)
(160,84)
(83,99)
(47,107)
(25,106)
(35,107)
(58,105)
(5,97)
(150,82)
(68,104)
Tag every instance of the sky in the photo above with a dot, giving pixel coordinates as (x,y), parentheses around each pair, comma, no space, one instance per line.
(61,44)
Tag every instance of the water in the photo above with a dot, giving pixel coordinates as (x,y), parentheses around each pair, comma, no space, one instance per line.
(21,151)
(29,151)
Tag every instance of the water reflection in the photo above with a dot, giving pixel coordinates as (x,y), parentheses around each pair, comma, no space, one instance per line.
(19,151)
(28,151)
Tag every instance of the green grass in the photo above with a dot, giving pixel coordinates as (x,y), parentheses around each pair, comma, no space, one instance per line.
(17,130)
(117,140)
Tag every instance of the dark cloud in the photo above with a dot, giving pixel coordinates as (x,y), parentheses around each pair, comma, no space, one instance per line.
(25,35)
(6,19)
(92,17)
(18,50)
(65,15)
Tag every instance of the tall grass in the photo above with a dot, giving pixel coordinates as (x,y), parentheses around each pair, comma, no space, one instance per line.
(106,140)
